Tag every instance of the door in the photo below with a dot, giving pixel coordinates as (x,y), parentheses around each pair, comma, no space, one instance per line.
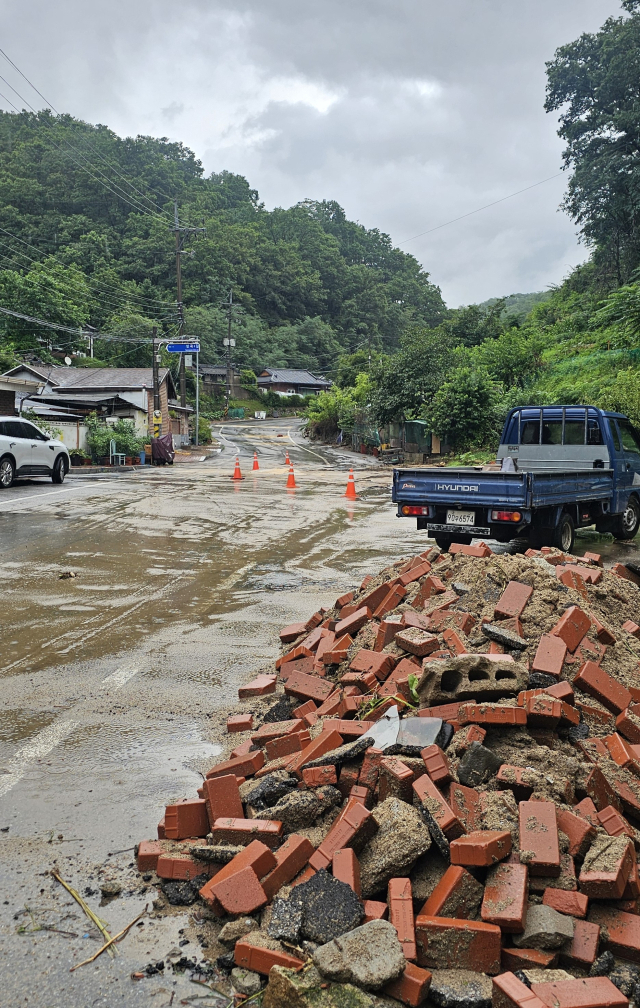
(42,454)
(630,440)
(20,447)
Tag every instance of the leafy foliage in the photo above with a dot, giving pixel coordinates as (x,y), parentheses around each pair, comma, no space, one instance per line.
(100,435)
(466,410)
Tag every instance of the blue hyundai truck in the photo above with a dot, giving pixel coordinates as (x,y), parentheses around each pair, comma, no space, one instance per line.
(558,468)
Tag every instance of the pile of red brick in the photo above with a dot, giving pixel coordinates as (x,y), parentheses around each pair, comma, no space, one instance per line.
(532,864)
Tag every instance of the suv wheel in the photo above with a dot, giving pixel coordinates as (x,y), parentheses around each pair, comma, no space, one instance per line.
(7,472)
(59,470)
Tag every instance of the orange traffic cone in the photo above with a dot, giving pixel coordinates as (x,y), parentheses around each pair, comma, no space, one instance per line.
(351,487)
(287,460)
(255,461)
(291,480)
(237,475)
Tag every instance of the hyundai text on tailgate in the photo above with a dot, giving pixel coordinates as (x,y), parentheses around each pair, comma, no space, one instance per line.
(559,468)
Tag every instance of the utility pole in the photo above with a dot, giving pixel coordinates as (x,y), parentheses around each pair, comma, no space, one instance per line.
(228,343)
(157,415)
(181,234)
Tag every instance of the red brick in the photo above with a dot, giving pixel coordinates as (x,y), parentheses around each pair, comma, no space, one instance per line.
(243,831)
(572,627)
(614,823)
(594,680)
(580,832)
(372,661)
(186,818)
(346,868)
(287,744)
(433,605)
(260,686)
(455,895)
(355,824)
(351,624)
(416,641)
(465,804)
(304,876)
(631,628)
(437,765)
(289,633)
(539,837)
(344,600)
(448,712)
(625,573)
(454,642)
(491,713)
(370,769)
(333,706)
(390,601)
(520,780)
(415,573)
(516,958)
(321,744)
(481,550)
(481,848)
(325,646)
(505,897)
(347,778)
(304,665)
(430,587)
(629,726)
(621,753)
(445,943)
(239,766)
(401,915)
(148,853)
(387,631)
(182,866)
(620,931)
(573,579)
(465,736)
(509,992)
(550,655)
(222,798)
(382,709)
(290,859)
(433,801)
(161,832)
(255,855)
(373,910)
(628,801)
(395,780)
(308,687)
(240,722)
(313,639)
(412,987)
(339,651)
(574,904)
(543,711)
(586,992)
(608,879)
(361,794)
(260,960)
(590,575)
(513,600)
(277,729)
(415,619)
(603,633)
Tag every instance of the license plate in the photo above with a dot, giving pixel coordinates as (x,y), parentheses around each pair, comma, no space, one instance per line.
(461,517)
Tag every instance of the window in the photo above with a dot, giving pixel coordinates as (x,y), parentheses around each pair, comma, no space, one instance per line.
(552,432)
(574,432)
(14,429)
(32,432)
(630,438)
(613,427)
(530,432)
(594,434)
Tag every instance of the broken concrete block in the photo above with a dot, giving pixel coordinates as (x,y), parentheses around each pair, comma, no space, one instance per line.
(401,838)
(285,922)
(236,929)
(328,907)
(470,677)
(369,956)
(298,809)
(289,988)
(245,981)
(501,635)
(267,790)
(545,928)
(341,754)
(477,765)
(460,988)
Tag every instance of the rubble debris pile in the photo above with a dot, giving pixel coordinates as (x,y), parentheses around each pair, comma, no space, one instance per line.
(436,796)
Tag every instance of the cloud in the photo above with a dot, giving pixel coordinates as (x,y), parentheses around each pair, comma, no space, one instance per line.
(409,114)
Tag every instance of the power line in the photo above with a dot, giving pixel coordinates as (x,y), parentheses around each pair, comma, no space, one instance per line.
(485,207)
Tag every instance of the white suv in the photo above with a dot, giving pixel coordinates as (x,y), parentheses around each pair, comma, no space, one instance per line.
(27,451)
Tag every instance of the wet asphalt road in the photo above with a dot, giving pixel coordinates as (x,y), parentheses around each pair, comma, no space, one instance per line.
(109,679)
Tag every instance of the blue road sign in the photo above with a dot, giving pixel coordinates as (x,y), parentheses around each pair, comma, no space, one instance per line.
(183,347)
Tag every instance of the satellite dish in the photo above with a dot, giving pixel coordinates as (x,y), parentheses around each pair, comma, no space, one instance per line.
(67,361)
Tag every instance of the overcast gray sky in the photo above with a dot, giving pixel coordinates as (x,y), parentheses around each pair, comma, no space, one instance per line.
(408,112)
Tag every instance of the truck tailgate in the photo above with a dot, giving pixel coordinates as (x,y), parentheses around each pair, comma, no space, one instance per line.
(463,486)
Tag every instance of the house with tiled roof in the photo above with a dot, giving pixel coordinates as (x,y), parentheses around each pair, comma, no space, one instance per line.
(289,381)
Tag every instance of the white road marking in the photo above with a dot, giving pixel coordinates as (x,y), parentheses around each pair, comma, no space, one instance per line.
(39,746)
(120,676)
(28,500)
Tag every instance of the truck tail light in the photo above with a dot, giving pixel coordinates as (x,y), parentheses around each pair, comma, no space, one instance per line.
(512,516)
(413,509)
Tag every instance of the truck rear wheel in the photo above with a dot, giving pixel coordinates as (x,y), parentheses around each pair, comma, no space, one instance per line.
(625,525)
(564,534)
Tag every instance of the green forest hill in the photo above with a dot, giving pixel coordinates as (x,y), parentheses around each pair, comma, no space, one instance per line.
(86,239)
